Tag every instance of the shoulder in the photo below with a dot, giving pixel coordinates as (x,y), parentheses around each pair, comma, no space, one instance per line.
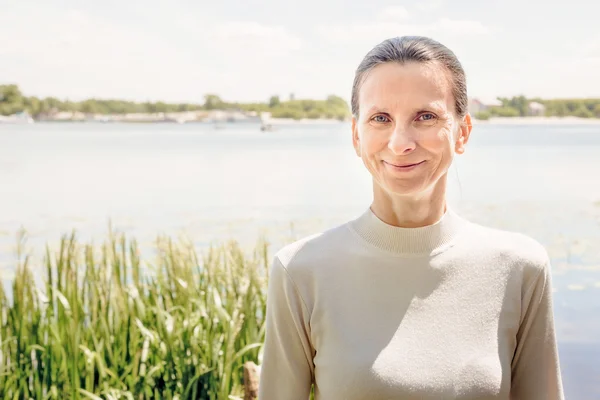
(303,260)
(514,249)
(311,250)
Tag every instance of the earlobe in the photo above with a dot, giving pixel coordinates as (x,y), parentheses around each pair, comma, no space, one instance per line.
(458,146)
(464,134)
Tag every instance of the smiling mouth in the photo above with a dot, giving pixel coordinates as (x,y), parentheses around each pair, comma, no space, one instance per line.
(404,165)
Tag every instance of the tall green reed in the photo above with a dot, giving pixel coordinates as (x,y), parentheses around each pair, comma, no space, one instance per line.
(102,324)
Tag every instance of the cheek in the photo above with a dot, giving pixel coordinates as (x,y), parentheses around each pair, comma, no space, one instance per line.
(372,143)
(438,143)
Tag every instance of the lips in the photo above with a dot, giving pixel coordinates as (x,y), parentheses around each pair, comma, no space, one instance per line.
(403,165)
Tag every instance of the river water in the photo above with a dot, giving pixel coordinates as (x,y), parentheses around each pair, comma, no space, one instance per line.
(238,182)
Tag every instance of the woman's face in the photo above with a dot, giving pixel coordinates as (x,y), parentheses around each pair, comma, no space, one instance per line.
(407,131)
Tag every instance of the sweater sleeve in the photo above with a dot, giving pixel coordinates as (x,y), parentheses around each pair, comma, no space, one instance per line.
(287,368)
(535,368)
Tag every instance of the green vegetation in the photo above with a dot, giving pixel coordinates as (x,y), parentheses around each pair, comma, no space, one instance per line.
(13,101)
(588,108)
(333,107)
(482,115)
(99,327)
(519,107)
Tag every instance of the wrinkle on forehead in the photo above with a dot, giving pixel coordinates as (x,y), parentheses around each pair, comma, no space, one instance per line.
(406,87)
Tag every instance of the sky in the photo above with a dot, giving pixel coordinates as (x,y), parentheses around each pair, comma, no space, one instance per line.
(249,50)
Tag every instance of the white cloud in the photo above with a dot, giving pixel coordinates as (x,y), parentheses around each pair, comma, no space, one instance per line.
(252,36)
(461,27)
(248,57)
(73,38)
(373,32)
(394,13)
(70,53)
(179,51)
(430,5)
(538,75)
(590,48)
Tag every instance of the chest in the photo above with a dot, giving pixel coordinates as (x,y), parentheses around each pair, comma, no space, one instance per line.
(414,343)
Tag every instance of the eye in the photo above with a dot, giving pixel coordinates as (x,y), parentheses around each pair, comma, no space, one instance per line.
(426,117)
(382,119)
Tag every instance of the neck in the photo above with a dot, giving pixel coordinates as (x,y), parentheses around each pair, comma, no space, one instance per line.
(412,211)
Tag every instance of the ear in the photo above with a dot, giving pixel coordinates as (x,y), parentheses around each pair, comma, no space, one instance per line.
(355,137)
(464,133)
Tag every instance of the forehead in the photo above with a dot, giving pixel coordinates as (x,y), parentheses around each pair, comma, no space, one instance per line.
(407,85)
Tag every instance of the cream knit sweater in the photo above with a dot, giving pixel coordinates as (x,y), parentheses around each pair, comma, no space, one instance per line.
(453,310)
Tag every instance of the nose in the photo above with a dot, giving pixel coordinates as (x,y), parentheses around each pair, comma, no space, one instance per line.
(402,141)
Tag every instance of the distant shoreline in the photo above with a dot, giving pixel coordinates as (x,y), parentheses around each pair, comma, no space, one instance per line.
(538,121)
(316,121)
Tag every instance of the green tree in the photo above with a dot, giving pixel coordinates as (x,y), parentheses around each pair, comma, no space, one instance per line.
(483,115)
(11,100)
(336,101)
(33,105)
(90,106)
(313,114)
(213,102)
(274,101)
(44,107)
(583,112)
(54,103)
(149,107)
(505,111)
(556,108)
(161,107)
(520,103)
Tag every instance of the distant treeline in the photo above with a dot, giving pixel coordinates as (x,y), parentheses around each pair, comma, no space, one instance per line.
(519,106)
(12,101)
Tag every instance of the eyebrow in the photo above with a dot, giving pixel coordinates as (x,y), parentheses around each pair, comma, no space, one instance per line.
(434,106)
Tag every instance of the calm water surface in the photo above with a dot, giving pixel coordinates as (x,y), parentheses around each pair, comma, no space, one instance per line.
(239,182)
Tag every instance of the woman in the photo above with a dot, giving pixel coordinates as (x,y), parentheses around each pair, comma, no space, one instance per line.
(409,300)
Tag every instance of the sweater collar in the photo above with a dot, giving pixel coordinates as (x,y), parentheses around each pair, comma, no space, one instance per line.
(422,240)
